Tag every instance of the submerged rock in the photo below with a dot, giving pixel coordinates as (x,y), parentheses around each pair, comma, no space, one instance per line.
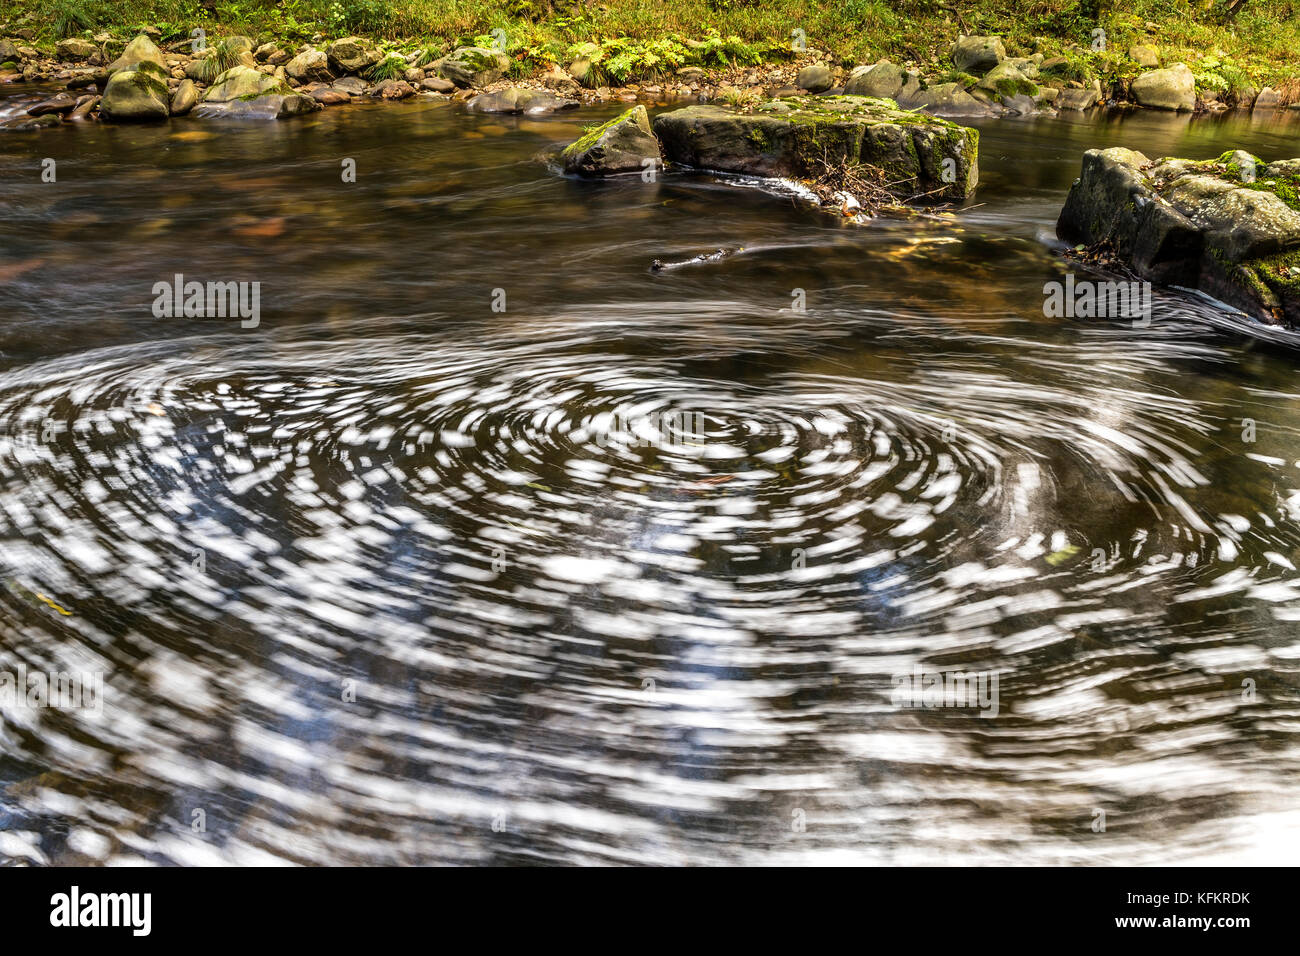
(268,106)
(137,95)
(1230,226)
(918,154)
(519,100)
(59,103)
(620,146)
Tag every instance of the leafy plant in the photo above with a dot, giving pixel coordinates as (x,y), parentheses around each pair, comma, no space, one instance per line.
(391,67)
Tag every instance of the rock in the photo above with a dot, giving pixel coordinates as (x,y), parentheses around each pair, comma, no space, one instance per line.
(393,90)
(911,149)
(27,124)
(519,100)
(436,84)
(1076,99)
(83,80)
(1206,225)
(1144,56)
(620,146)
(414,76)
(352,55)
(977,55)
(1171,89)
(309,65)
(815,79)
(949,100)
(8,52)
(140,50)
(1268,99)
(239,44)
(137,95)
(330,97)
(265,52)
(185,98)
(881,79)
(472,66)
(264,107)
(60,103)
(580,70)
(1010,87)
(353,85)
(75,49)
(554,79)
(237,82)
(85,106)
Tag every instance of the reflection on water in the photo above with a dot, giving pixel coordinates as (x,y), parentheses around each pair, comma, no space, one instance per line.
(398,578)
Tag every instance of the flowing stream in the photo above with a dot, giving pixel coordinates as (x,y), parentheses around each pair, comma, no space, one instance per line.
(489,544)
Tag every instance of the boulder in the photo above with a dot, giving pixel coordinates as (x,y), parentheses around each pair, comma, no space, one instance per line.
(815,79)
(919,154)
(185,98)
(473,66)
(948,100)
(238,82)
(393,90)
(265,52)
(353,85)
(27,124)
(519,100)
(1228,226)
(75,49)
(239,44)
(328,96)
(1074,99)
(620,146)
(1005,82)
(554,79)
(309,65)
(268,106)
(140,50)
(85,106)
(1268,99)
(8,52)
(1171,89)
(352,55)
(977,55)
(881,79)
(137,95)
(1144,56)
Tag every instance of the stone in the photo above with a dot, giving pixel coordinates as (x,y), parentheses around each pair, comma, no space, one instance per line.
(1076,99)
(554,79)
(815,79)
(330,96)
(472,66)
(620,146)
(75,49)
(393,90)
(1209,225)
(1144,56)
(519,100)
(880,79)
(913,150)
(8,52)
(59,103)
(264,52)
(140,50)
(238,82)
(85,106)
(1171,89)
(185,98)
(310,64)
(977,55)
(353,85)
(136,95)
(948,100)
(27,124)
(352,55)
(1268,99)
(1006,83)
(269,106)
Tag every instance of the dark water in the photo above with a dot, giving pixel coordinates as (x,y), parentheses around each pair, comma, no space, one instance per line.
(389,578)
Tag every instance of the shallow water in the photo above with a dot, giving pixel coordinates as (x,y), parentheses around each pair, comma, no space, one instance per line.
(397,578)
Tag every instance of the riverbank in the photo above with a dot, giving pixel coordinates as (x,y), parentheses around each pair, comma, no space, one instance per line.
(720,50)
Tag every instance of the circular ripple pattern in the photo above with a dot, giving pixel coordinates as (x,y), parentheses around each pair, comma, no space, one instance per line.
(395,601)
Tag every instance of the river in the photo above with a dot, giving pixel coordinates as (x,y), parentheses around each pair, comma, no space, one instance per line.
(417,569)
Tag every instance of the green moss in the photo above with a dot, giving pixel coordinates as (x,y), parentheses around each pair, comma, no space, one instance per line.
(591,134)
(1010,86)
(1279,273)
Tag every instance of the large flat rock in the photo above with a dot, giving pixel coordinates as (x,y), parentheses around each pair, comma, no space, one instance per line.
(920,154)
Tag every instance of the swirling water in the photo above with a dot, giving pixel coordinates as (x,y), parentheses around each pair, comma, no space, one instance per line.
(625,572)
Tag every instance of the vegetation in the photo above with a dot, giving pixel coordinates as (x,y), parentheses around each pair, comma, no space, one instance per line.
(1229,44)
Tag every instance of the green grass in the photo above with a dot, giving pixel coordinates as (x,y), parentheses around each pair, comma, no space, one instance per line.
(643,38)
(219,59)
